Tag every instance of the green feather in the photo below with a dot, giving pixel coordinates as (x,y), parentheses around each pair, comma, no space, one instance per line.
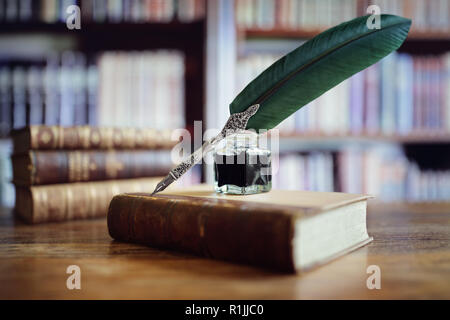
(317,66)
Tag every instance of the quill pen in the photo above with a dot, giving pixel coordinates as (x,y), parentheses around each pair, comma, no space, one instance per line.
(303,75)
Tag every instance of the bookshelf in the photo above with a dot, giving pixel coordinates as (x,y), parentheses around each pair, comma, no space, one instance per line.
(153,30)
(93,38)
(212,47)
(265,32)
(418,42)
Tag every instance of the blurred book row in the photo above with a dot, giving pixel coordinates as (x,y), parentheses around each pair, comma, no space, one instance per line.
(297,14)
(65,173)
(91,168)
(124,89)
(62,91)
(99,11)
(144,89)
(380,171)
(293,14)
(402,94)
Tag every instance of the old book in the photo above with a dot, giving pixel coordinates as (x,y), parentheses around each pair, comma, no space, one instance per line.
(284,230)
(72,201)
(39,137)
(51,167)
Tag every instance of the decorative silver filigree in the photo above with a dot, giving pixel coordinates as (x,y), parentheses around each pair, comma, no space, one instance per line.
(185,165)
(236,122)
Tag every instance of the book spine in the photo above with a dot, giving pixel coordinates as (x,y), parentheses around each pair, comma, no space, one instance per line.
(85,137)
(92,95)
(19,98)
(52,93)
(6,99)
(73,201)
(234,231)
(51,167)
(35,98)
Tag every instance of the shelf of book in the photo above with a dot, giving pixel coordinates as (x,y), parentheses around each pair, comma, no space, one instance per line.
(94,39)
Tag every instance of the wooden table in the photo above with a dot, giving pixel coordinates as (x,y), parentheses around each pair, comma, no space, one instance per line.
(411,247)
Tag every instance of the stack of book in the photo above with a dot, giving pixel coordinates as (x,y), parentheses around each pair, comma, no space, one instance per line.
(65,173)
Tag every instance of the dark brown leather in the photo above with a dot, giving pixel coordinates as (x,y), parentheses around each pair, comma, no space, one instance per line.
(40,137)
(70,201)
(52,167)
(221,229)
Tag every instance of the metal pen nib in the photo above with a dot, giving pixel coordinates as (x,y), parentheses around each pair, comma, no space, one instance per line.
(163,184)
(182,168)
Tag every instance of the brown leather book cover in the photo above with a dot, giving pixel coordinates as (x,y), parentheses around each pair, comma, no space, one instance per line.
(72,201)
(52,167)
(259,229)
(41,137)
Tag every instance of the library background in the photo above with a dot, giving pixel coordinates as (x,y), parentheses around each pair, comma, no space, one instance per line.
(164,64)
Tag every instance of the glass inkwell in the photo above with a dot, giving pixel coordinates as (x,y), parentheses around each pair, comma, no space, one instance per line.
(241,166)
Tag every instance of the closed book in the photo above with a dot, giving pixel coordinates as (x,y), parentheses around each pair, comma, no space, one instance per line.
(41,137)
(283,230)
(51,167)
(72,201)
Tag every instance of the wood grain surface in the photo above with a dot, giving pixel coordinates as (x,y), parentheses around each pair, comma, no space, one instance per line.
(412,248)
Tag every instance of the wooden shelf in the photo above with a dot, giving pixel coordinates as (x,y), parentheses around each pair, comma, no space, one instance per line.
(37,27)
(95,37)
(279,33)
(311,32)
